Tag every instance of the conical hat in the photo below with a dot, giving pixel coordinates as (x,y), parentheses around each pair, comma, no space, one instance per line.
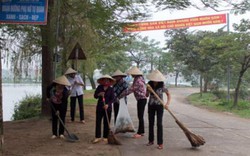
(119,73)
(62,80)
(70,71)
(134,71)
(105,77)
(156,76)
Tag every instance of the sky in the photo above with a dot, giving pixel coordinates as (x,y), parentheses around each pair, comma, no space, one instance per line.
(158,35)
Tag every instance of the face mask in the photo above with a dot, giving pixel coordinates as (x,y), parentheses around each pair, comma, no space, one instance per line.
(106,82)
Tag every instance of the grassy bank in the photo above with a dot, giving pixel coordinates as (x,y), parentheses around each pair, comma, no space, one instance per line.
(89,97)
(212,102)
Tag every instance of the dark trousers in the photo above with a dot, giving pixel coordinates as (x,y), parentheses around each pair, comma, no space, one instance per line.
(100,114)
(140,114)
(62,113)
(73,107)
(116,106)
(158,111)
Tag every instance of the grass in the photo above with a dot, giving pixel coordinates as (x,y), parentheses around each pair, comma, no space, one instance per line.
(89,97)
(212,102)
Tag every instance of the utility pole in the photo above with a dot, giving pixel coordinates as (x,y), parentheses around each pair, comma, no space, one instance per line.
(1,108)
(228,67)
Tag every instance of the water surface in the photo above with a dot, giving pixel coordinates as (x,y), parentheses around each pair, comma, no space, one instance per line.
(12,93)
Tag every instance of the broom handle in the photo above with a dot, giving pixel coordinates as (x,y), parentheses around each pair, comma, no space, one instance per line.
(152,91)
(103,100)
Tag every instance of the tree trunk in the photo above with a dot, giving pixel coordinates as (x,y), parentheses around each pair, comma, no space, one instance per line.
(47,78)
(244,68)
(205,84)
(237,89)
(176,78)
(151,63)
(201,77)
(47,61)
(92,82)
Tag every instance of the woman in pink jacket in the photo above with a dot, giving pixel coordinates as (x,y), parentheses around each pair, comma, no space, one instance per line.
(139,89)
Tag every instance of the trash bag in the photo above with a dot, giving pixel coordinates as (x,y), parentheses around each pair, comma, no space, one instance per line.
(123,122)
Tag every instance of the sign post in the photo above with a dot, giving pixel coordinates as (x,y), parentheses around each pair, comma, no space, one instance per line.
(77,54)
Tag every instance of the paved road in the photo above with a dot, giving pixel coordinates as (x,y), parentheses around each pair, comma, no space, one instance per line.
(225,134)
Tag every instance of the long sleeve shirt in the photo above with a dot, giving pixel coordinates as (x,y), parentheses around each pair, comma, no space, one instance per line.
(109,97)
(51,91)
(76,89)
(159,91)
(138,88)
(119,87)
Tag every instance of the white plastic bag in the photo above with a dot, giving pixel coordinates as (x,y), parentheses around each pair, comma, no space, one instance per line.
(123,122)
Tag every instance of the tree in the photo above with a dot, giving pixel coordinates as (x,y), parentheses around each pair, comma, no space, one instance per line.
(143,52)
(172,4)
(238,52)
(197,51)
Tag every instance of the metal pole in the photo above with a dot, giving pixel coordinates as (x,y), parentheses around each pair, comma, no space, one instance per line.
(228,67)
(56,40)
(1,109)
(77,53)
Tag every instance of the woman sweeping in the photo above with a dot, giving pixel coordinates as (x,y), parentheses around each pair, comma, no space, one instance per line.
(57,95)
(156,81)
(105,95)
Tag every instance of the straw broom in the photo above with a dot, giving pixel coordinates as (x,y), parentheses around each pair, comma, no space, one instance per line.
(195,140)
(111,137)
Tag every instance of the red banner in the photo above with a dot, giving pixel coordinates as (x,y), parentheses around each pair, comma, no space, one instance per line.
(177,23)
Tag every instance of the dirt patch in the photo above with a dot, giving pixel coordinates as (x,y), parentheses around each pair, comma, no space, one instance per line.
(32,138)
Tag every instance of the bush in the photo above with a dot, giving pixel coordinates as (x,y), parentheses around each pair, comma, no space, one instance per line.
(220,94)
(28,107)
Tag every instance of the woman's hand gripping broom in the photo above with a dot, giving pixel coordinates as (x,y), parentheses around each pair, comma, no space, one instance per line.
(195,140)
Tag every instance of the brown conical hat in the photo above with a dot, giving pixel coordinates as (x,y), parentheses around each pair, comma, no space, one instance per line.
(119,73)
(70,71)
(62,80)
(105,77)
(134,71)
(156,76)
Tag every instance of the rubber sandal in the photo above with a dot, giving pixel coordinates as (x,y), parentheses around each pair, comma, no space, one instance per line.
(160,147)
(96,140)
(53,136)
(150,143)
(137,136)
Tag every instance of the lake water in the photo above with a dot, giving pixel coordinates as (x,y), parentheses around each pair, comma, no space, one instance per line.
(13,93)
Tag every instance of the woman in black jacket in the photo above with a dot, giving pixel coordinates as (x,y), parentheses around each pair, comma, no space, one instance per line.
(57,95)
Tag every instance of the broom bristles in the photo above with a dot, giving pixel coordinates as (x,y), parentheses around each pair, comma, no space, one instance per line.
(112,139)
(195,140)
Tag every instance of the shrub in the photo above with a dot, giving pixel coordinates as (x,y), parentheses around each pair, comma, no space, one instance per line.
(28,107)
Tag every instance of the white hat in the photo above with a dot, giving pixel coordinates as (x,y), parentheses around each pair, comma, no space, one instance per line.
(134,71)
(119,73)
(70,71)
(62,80)
(156,76)
(105,77)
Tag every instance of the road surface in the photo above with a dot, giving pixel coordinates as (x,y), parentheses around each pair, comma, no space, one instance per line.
(225,134)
